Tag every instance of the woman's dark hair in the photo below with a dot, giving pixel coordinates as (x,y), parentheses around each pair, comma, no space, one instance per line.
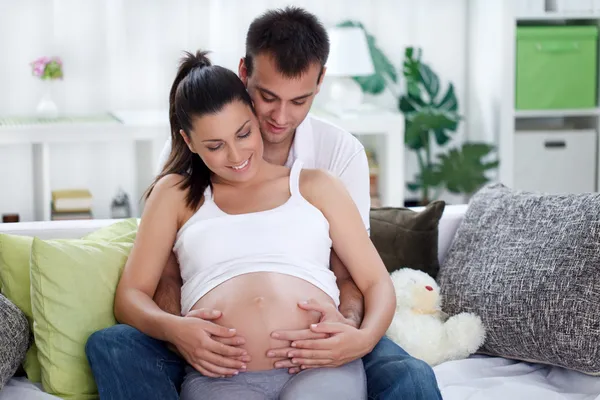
(293,36)
(199,88)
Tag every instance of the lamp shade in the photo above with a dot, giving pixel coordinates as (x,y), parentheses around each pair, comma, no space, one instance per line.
(349,53)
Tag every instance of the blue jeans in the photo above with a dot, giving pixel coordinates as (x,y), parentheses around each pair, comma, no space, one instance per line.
(128,364)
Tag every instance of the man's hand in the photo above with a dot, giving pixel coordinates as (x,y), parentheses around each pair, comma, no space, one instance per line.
(208,347)
(334,341)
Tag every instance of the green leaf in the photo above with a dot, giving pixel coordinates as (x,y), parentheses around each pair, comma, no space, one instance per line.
(449,102)
(424,113)
(411,73)
(430,82)
(373,84)
(409,104)
(428,178)
(424,120)
(463,170)
(441,137)
(431,176)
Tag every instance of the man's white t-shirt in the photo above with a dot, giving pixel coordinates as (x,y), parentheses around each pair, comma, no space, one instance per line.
(322,145)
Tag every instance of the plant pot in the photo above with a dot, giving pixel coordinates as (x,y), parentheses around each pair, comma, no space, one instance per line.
(412,203)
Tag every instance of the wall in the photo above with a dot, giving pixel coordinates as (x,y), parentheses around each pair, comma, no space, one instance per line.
(122,54)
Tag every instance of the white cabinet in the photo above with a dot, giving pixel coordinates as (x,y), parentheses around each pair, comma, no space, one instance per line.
(559,161)
(551,161)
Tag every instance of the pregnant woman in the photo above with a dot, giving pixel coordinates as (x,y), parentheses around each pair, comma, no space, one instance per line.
(252,240)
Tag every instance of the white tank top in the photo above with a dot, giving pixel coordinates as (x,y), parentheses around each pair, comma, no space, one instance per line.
(213,246)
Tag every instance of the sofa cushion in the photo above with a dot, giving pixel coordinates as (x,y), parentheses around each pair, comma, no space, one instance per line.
(73,283)
(15,253)
(528,264)
(406,238)
(15,338)
(14,274)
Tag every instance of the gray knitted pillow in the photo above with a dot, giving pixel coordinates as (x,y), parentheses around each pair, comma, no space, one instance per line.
(15,338)
(529,265)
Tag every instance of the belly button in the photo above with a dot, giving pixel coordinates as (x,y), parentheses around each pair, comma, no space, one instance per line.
(259,300)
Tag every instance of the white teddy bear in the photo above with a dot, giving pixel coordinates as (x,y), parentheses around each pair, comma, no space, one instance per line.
(420,326)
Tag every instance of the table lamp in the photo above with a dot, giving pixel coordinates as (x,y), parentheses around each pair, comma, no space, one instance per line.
(349,56)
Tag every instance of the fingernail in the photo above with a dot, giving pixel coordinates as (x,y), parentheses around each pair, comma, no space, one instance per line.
(277,365)
(294,344)
(304,302)
(291,354)
(275,335)
(270,354)
(214,312)
(236,372)
(313,325)
(232,330)
(243,367)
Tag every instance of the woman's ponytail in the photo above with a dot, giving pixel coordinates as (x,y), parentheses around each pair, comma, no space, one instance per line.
(181,160)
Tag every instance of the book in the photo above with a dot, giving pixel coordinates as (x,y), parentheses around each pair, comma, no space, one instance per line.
(72,200)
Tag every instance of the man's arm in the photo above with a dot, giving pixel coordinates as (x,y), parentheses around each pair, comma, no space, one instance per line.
(351,298)
(168,291)
(355,178)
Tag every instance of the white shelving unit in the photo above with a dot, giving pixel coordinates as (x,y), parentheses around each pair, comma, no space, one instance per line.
(387,128)
(146,129)
(149,130)
(593,112)
(492,68)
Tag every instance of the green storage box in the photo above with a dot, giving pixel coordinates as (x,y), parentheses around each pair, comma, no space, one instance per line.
(556,67)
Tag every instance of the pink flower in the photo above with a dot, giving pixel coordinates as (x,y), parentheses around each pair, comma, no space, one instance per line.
(47,68)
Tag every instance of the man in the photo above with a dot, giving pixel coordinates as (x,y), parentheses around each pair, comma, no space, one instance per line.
(283,69)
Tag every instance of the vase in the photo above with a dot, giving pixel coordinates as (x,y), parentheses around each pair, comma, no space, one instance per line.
(47,108)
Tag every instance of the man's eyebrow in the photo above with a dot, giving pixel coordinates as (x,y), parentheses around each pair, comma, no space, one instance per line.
(304,96)
(236,132)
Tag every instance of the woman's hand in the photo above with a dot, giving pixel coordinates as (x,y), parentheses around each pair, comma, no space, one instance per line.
(208,347)
(334,341)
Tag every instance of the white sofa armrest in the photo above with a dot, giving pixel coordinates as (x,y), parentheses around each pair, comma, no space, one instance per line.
(72,229)
(451,219)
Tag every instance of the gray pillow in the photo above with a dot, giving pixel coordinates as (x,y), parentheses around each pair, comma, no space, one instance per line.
(15,338)
(529,265)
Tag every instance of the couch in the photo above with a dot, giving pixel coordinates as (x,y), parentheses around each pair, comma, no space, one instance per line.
(478,377)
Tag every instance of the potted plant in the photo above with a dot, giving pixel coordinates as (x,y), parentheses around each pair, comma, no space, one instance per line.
(431,115)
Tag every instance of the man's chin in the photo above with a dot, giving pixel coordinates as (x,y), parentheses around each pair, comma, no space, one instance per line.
(276,138)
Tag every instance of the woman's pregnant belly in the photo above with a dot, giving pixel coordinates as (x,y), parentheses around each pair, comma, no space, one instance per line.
(256,304)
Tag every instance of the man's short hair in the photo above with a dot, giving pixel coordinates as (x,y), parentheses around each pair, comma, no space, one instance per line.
(294,37)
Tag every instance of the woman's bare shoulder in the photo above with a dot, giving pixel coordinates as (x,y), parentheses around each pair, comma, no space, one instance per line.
(317,178)
(169,186)
(319,185)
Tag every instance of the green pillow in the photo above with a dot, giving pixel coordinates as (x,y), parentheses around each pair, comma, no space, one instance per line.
(15,252)
(122,231)
(73,284)
(14,275)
